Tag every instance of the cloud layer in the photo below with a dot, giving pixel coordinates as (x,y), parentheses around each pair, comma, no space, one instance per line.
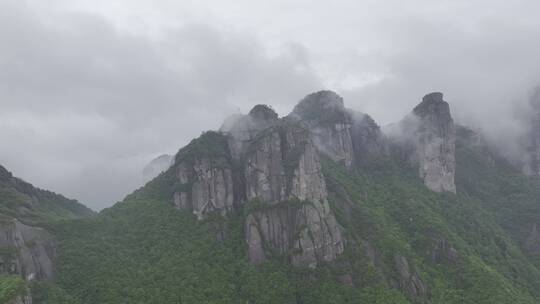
(90,93)
(85,107)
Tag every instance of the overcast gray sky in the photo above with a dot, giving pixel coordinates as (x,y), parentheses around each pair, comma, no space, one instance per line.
(91,91)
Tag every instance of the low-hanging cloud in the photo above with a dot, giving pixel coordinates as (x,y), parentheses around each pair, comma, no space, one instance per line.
(486,71)
(85,106)
(85,103)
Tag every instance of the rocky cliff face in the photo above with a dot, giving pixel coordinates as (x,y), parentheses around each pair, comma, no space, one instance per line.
(369,143)
(26,299)
(330,124)
(427,138)
(409,281)
(284,171)
(443,252)
(261,158)
(436,143)
(26,250)
(243,128)
(204,176)
(207,188)
(265,168)
(271,166)
(340,133)
(306,233)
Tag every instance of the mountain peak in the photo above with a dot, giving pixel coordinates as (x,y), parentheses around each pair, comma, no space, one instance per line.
(435,140)
(434,97)
(5,174)
(432,103)
(263,112)
(322,105)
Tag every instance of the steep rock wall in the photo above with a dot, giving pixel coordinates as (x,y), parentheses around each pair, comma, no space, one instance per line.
(26,250)
(261,158)
(340,133)
(436,143)
(283,170)
(330,124)
(426,138)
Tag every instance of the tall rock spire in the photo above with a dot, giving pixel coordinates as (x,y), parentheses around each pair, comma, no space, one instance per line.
(435,143)
(426,138)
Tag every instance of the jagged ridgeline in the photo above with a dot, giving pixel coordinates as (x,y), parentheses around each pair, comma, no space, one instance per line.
(319,206)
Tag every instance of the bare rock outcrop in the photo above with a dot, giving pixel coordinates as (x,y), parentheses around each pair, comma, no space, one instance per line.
(444,252)
(369,142)
(330,124)
(204,176)
(302,231)
(265,168)
(409,280)
(26,250)
(23,299)
(436,143)
(208,188)
(274,162)
(243,128)
(283,170)
(427,138)
(342,134)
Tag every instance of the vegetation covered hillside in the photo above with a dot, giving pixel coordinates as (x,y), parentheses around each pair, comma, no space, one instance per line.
(405,243)
(21,200)
(27,250)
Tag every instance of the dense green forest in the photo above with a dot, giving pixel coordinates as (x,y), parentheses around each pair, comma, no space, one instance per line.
(27,203)
(143,250)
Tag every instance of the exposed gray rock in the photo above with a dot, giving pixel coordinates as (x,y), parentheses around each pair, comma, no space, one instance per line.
(532,243)
(22,299)
(26,250)
(307,181)
(329,123)
(369,143)
(156,166)
(265,169)
(205,187)
(427,139)
(444,252)
(302,232)
(243,128)
(283,166)
(409,281)
(340,133)
(435,146)
(276,164)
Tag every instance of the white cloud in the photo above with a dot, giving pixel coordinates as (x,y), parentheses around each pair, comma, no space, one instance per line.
(90,91)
